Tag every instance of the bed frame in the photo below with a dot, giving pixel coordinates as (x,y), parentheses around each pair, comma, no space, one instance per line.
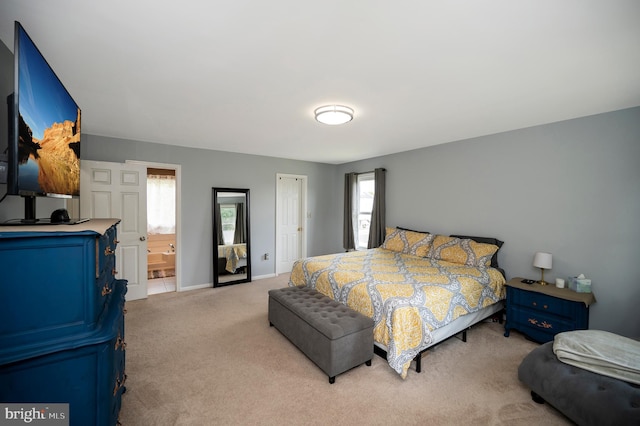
(460,325)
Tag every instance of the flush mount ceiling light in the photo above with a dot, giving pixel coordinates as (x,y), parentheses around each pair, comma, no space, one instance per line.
(333,114)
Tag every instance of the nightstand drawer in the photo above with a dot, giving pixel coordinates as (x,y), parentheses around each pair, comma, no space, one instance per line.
(539,325)
(543,303)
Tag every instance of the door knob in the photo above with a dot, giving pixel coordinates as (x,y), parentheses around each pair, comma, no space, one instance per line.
(143,238)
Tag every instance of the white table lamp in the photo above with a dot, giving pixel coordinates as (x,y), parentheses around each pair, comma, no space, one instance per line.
(543,261)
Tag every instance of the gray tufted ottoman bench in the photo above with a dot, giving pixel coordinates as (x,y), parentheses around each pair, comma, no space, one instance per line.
(332,335)
(586,398)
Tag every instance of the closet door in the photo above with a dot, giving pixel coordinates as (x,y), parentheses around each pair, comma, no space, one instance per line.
(290,227)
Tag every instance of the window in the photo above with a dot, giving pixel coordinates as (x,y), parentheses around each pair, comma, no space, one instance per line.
(161,204)
(228,218)
(364,206)
(364,210)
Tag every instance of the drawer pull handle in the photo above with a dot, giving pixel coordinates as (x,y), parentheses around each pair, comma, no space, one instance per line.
(543,306)
(542,324)
(106,290)
(120,343)
(119,384)
(108,251)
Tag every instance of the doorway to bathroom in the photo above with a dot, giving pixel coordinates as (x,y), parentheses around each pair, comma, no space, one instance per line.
(162,247)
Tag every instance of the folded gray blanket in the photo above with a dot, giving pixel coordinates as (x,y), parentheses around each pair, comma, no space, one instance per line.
(600,352)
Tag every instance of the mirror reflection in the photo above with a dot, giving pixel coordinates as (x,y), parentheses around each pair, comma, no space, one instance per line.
(231,248)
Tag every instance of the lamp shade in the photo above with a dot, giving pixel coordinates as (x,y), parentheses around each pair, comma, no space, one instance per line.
(543,260)
(334,114)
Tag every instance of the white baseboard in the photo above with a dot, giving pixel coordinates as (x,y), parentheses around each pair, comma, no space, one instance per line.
(262,277)
(210,285)
(196,287)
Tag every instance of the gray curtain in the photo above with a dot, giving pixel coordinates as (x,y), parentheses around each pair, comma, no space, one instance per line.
(378,214)
(239,235)
(219,226)
(348,229)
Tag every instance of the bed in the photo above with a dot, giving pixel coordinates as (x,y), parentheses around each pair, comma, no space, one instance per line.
(232,256)
(419,288)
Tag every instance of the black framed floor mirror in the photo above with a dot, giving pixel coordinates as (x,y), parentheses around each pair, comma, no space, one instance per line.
(231,240)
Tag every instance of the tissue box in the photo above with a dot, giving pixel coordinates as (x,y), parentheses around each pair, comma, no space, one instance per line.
(580,285)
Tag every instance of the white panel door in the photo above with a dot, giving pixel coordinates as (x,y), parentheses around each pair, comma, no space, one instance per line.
(115,190)
(290,228)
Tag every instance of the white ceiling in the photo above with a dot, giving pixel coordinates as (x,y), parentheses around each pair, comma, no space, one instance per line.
(245,76)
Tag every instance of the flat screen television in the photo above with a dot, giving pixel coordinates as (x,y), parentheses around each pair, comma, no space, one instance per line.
(44,132)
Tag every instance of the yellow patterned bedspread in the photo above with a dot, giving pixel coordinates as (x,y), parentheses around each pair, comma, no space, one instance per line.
(407,296)
(233,254)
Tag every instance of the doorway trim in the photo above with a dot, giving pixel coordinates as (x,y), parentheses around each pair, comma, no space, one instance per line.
(304,215)
(177,168)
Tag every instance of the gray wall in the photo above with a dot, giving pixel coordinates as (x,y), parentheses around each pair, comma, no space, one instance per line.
(570,188)
(204,169)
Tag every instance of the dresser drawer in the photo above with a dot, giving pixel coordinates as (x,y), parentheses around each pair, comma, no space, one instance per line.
(87,373)
(105,249)
(118,373)
(46,292)
(105,285)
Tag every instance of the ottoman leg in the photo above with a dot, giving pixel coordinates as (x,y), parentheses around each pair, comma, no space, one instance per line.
(332,380)
(537,398)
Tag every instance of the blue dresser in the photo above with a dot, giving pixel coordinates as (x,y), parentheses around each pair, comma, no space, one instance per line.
(62,319)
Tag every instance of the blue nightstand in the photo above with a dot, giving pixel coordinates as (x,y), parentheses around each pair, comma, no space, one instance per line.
(540,312)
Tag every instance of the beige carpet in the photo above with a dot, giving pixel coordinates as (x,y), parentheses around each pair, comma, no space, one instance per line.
(209,357)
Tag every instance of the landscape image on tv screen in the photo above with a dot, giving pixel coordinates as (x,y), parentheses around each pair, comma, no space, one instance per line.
(48,128)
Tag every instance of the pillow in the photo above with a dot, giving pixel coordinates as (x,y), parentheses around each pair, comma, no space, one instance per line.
(486,240)
(464,251)
(408,242)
